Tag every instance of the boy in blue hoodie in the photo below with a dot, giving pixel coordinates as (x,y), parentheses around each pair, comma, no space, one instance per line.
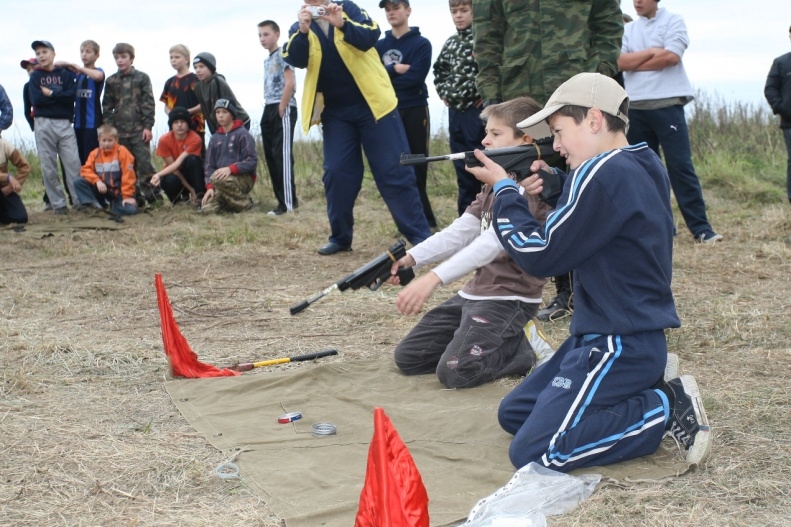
(607,395)
(407,58)
(230,163)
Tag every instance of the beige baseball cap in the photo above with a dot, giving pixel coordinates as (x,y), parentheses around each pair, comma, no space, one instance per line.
(590,90)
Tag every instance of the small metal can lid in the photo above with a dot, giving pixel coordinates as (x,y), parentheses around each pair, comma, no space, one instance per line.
(324,429)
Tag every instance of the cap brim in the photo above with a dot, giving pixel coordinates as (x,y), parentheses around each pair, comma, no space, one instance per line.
(535,126)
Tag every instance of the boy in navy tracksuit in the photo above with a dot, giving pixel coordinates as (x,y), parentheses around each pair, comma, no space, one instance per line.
(359,112)
(602,397)
(407,58)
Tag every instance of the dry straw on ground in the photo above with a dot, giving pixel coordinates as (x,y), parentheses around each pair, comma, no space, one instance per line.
(90,437)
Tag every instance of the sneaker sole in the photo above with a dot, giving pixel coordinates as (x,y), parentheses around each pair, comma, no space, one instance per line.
(671,368)
(701,447)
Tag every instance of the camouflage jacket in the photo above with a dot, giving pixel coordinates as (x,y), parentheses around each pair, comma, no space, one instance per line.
(128,102)
(530,47)
(455,71)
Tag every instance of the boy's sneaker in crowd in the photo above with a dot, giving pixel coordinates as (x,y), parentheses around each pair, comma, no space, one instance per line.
(62,211)
(688,423)
(559,307)
(279,211)
(709,237)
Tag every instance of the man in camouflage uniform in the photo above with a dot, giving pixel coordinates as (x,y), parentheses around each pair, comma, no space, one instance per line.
(129,106)
(529,48)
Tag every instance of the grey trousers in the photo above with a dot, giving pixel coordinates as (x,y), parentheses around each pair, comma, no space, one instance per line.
(55,137)
(469,342)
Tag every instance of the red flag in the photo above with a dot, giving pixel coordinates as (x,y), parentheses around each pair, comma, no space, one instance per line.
(183,361)
(393,494)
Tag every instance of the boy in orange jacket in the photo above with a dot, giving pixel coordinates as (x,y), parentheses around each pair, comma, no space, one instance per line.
(108,176)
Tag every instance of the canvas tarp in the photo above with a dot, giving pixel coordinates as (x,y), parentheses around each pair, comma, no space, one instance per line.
(453,436)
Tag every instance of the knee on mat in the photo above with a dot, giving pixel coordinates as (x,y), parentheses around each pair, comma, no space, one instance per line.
(450,377)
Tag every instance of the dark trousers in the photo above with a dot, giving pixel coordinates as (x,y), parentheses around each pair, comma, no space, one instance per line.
(12,210)
(143,168)
(787,136)
(469,342)
(592,403)
(466,133)
(277,134)
(192,170)
(88,193)
(417,128)
(87,142)
(667,128)
(347,132)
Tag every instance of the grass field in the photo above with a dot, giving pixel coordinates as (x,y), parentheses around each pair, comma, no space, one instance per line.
(89,436)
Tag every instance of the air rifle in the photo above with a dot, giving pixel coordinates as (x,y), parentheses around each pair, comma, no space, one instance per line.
(371,275)
(514,159)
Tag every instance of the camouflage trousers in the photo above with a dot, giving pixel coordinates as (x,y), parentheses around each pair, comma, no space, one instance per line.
(231,194)
(145,192)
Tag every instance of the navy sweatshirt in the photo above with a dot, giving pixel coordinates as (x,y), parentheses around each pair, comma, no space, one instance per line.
(59,105)
(413,49)
(613,227)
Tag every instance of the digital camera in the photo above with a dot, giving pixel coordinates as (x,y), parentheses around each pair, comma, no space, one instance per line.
(317,10)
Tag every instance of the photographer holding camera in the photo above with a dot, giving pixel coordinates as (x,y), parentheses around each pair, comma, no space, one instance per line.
(348,91)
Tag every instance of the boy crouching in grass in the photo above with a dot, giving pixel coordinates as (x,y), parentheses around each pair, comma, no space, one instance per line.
(607,395)
(230,163)
(108,176)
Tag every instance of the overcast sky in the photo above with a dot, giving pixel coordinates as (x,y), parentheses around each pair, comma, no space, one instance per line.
(732,44)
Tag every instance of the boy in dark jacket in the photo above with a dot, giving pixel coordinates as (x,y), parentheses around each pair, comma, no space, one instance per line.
(230,163)
(407,58)
(778,94)
(454,78)
(211,88)
(52,94)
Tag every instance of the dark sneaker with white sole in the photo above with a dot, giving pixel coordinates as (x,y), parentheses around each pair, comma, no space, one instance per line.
(688,423)
(559,307)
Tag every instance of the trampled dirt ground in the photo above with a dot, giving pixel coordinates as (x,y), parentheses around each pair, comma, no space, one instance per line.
(89,436)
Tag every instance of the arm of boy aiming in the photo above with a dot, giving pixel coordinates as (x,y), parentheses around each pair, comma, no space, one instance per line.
(583,219)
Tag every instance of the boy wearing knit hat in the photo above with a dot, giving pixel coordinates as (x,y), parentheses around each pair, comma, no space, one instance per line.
(182,177)
(609,393)
(231,161)
(213,87)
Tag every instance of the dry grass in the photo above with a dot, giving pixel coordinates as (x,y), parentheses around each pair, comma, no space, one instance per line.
(90,437)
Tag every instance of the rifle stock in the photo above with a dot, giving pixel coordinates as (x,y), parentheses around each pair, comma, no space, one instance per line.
(371,275)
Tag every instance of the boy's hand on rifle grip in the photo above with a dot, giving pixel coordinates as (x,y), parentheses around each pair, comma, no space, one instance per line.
(411,299)
(406,261)
(490,172)
(534,184)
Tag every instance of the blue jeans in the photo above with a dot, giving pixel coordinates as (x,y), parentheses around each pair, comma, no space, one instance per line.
(87,194)
(667,127)
(465,134)
(787,136)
